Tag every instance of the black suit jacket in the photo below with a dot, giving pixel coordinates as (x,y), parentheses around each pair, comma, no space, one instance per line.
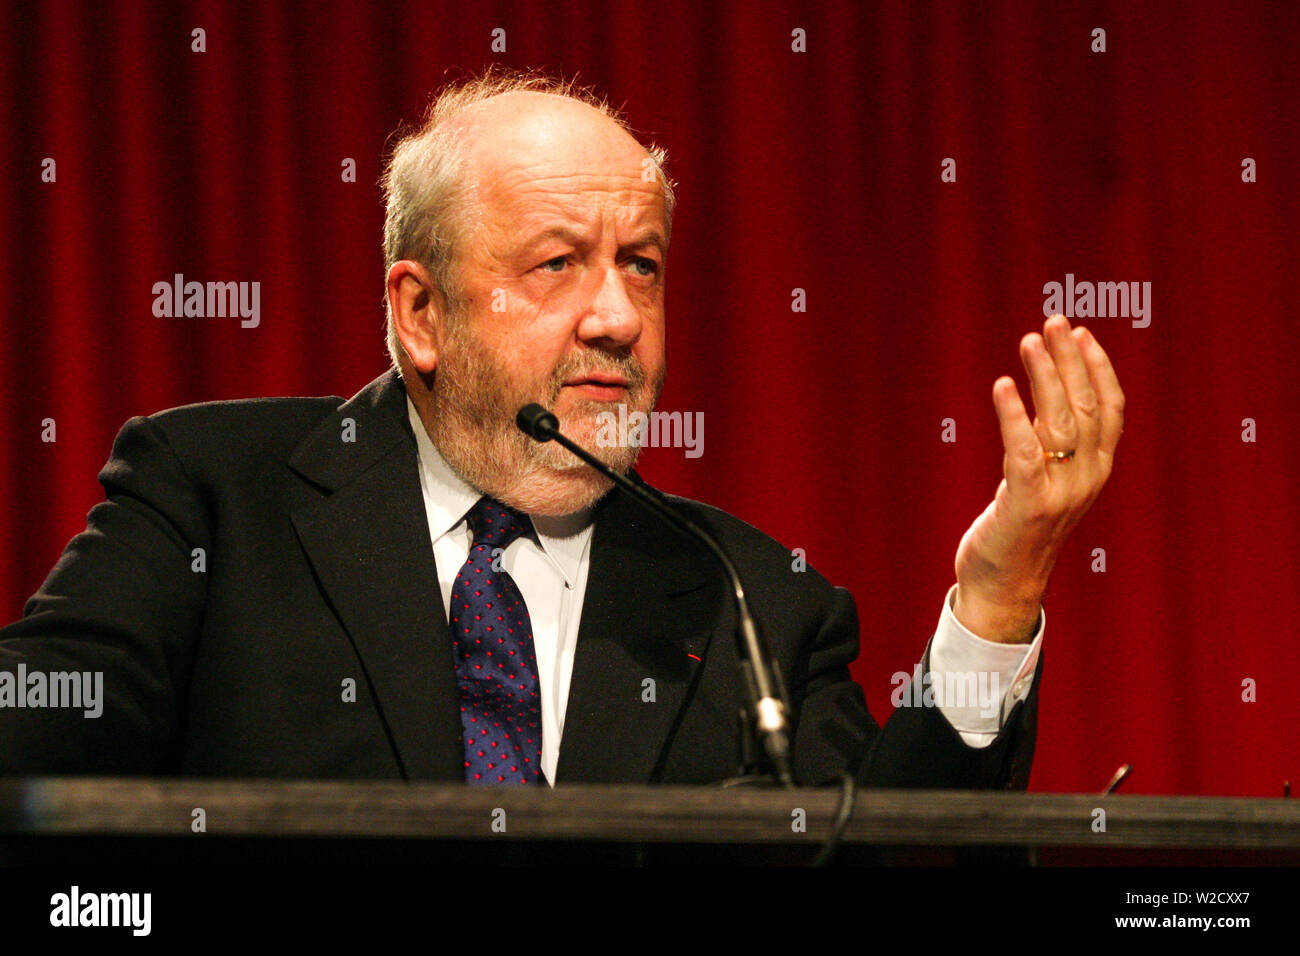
(249,560)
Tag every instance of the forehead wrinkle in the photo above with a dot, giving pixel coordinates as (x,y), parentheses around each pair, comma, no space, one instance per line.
(522,182)
(531,208)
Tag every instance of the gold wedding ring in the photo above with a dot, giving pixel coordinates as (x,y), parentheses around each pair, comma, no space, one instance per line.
(1053,456)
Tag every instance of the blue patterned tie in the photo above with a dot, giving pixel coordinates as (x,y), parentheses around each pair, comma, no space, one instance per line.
(495,664)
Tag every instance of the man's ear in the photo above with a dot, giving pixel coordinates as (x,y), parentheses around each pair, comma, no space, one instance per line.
(417,310)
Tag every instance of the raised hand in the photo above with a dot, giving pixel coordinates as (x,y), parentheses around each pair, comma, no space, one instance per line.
(1053,469)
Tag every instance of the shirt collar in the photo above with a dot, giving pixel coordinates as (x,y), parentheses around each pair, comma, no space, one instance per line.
(448,497)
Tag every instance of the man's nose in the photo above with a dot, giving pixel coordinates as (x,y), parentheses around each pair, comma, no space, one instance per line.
(612,318)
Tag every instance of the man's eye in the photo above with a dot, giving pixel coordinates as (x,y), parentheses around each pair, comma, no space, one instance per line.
(555,265)
(644,266)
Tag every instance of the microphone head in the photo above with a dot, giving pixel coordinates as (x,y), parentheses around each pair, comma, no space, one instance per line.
(536,422)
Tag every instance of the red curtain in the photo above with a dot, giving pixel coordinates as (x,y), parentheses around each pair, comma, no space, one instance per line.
(817,170)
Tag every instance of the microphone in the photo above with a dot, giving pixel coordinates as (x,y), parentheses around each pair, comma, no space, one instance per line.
(766,714)
(537,423)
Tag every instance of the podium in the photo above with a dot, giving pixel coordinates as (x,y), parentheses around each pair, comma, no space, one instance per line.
(139,821)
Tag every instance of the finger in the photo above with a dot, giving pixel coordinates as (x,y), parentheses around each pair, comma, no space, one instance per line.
(1110,397)
(1055,425)
(1023,466)
(1063,344)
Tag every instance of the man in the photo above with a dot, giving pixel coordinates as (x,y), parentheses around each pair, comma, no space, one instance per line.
(403,585)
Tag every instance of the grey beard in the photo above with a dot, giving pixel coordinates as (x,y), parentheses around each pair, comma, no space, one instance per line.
(473,428)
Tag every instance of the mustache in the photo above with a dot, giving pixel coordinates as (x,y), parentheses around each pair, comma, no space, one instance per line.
(578,366)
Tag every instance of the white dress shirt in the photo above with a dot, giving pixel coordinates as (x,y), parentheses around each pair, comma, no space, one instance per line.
(551,573)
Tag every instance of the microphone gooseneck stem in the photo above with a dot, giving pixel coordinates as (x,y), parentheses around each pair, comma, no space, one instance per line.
(768,712)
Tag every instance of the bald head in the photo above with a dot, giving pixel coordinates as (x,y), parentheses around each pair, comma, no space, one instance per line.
(527,124)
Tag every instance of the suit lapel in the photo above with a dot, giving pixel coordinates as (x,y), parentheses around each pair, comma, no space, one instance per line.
(651,608)
(360,522)
(649,613)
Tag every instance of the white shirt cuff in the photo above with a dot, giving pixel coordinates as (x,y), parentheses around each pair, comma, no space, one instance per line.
(976,683)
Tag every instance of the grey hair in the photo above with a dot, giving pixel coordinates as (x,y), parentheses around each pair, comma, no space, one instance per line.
(424,184)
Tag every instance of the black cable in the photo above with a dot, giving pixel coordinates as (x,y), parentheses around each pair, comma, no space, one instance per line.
(843,810)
